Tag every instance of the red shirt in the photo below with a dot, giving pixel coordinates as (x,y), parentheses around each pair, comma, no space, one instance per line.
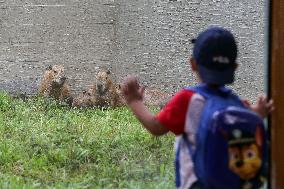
(173,115)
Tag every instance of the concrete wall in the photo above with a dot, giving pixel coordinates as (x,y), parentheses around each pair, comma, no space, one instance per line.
(148,38)
(154,37)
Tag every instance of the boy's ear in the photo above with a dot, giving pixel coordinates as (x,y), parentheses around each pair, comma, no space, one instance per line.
(193,64)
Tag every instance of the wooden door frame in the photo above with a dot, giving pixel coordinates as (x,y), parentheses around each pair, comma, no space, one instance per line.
(276,91)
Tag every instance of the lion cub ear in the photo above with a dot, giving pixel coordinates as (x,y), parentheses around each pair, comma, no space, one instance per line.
(49,67)
(108,72)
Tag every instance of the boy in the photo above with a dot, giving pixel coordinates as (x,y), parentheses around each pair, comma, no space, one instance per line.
(214,62)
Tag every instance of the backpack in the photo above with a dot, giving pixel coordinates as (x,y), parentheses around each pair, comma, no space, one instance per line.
(231,143)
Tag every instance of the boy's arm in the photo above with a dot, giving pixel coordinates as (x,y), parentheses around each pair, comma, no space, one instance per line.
(133,94)
(147,119)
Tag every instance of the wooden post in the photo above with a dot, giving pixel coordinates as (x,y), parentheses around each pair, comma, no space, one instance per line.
(276,81)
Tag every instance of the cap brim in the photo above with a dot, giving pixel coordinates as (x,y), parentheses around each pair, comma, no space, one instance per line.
(218,77)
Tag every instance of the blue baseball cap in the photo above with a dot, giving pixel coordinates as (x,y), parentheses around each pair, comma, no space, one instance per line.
(215,52)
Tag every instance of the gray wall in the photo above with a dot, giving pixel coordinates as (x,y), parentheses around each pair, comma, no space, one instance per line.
(148,38)
(35,34)
(154,37)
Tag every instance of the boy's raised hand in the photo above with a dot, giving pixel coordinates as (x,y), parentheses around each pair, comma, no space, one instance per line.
(263,106)
(131,89)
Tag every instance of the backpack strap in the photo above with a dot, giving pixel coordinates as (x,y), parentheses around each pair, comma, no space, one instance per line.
(188,144)
(208,92)
(177,166)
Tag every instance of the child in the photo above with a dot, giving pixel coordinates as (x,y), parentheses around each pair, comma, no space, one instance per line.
(214,62)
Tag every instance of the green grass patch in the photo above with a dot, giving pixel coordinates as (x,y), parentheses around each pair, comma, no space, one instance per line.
(48,145)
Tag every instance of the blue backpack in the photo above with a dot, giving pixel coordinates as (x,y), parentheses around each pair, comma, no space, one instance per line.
(231,143)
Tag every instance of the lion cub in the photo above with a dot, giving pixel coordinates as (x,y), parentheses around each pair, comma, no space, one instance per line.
(104,93)
(107,92)
(53,84)
(85,99)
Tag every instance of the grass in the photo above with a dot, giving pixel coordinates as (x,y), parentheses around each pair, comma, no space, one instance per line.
(47,145)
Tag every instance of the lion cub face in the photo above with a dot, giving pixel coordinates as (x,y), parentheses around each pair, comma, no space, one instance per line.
(107,91)
(103,83)
(57,76)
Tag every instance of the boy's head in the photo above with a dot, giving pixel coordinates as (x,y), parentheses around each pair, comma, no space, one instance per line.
(215,53)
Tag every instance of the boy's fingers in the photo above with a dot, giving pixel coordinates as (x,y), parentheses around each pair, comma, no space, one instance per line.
(129,78)
(124,89)
(127,84)
(262,98)
(270,105)
(246,103)
(270,102)
(142,90)
(130,82)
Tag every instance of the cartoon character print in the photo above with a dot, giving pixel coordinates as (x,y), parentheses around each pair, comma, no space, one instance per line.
(245,156)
